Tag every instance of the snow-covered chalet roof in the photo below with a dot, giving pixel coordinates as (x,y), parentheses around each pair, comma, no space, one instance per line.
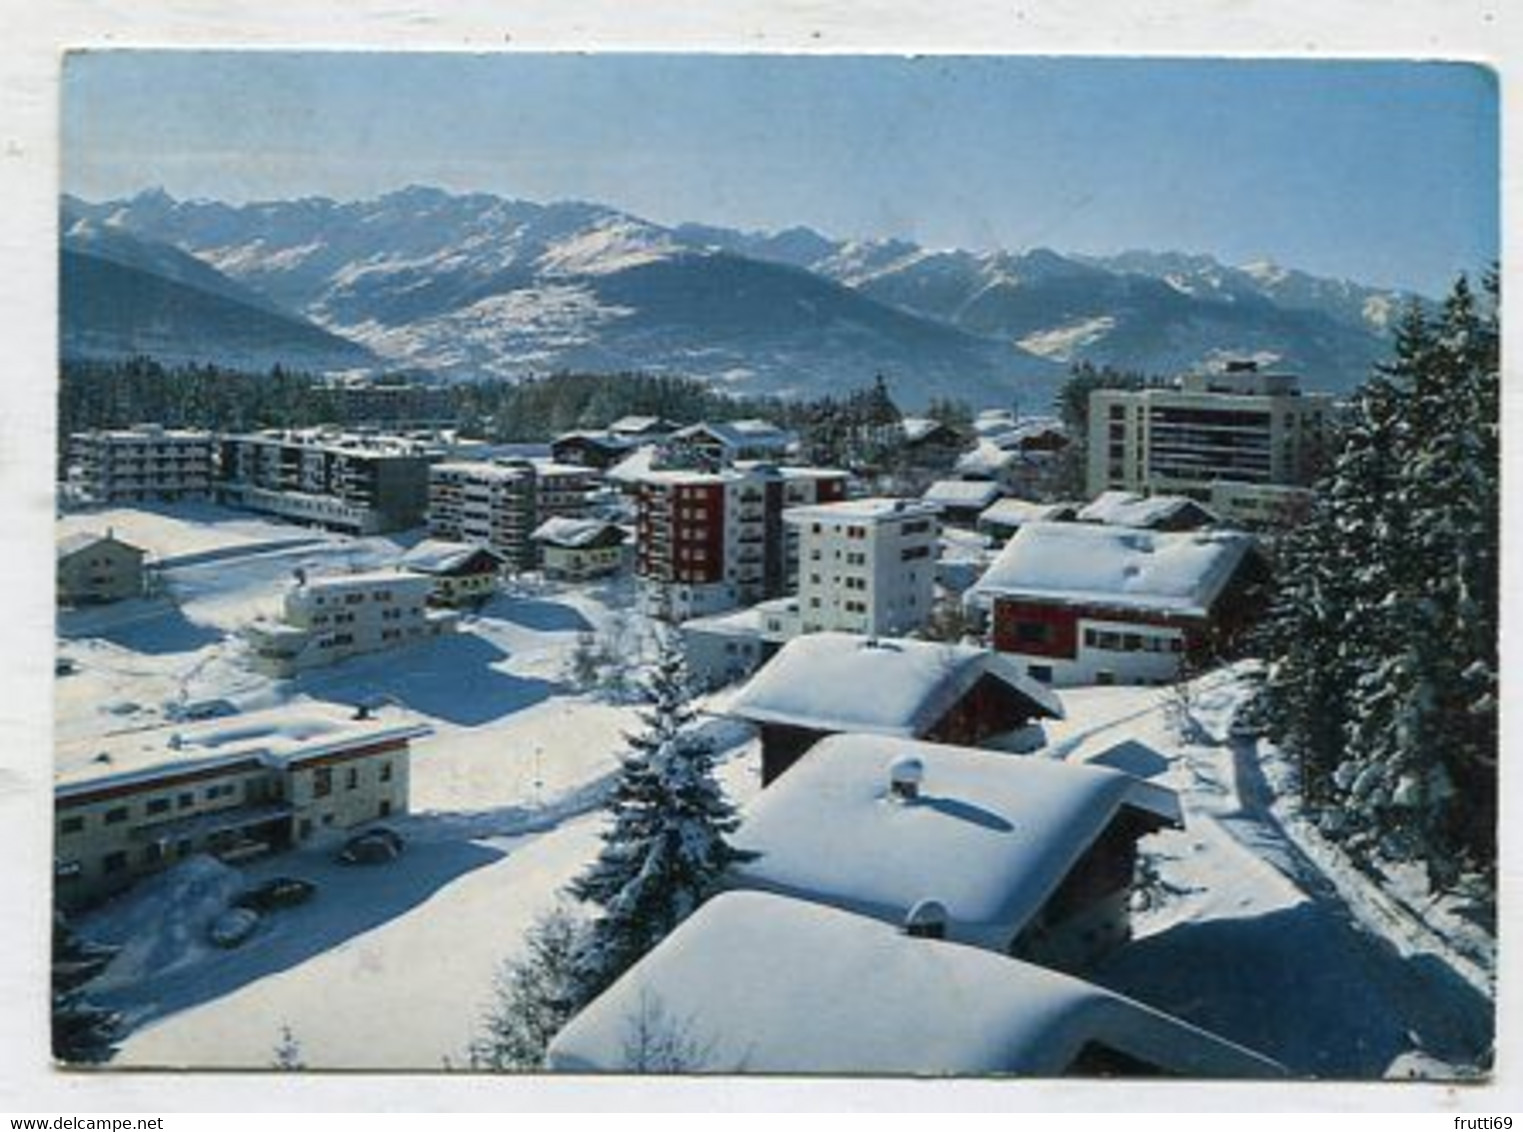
(1122,567)
(963,493)
(1127,509)
(564,531)
(441,556)
(742,434)
(1019,512)
(847,682)
(70,545)
(760,984)
(991,836)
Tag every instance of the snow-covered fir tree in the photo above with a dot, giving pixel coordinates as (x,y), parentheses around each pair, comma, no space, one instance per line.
(666,842)
(535,996)
(1384,637)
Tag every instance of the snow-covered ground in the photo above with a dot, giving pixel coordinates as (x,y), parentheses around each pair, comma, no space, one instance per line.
(1250,926)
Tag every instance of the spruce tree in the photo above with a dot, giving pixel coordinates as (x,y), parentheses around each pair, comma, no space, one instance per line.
(665,844)
(536,995)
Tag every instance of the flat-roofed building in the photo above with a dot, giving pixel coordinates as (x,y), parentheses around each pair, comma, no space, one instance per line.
(486,504)
(357,483)
(327,619)
(138,801)
(146,462)
(866,565)
(1243,426)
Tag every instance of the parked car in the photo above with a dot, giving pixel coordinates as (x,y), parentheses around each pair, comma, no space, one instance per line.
(376,846)
(233,927)
(278,892)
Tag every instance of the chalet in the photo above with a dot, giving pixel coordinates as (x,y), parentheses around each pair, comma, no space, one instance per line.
(643,429)
(962,501)
(822,684)
(463,573)
(574,550)
(930,444)
(1027,856)
(764,984)
(1002,518)
(1149,512)
(95,568)
(135,802)
(591,449)
(724,442)
(1079,603)
(1024,457)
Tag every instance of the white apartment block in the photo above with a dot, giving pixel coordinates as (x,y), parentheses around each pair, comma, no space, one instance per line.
(144,462)
(1253,430)
(358,483)
(490,505)
(865,565)
(135,802)
(325,620)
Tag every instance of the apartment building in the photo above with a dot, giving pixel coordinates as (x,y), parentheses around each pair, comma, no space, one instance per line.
(710,541)
(865,565)
(1254,430)
(358,483)
(324,620)
(145,462)
(490,505)
(561,489)
(139,801)
(391,404)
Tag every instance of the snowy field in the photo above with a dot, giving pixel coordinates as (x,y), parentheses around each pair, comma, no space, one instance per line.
(1248,925)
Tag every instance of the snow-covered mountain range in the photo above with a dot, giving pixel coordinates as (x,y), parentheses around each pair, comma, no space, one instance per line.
(479,285)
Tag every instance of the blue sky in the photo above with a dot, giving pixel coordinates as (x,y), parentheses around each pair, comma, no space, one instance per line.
(1384,172)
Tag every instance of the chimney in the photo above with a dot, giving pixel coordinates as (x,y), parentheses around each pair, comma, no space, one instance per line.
(926,920)
(904,778)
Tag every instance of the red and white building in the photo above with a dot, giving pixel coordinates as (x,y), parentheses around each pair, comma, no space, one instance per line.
(711,541)
(1080,603)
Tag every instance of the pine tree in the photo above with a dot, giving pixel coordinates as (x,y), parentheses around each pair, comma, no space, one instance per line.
(535,996)
(666,843)
(83,1033)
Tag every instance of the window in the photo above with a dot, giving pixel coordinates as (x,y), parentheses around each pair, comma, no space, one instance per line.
(114,862)
(75,824)
(352,779)
(322,782)
(116,816)
(1042,673)
(158,805)
(910,553)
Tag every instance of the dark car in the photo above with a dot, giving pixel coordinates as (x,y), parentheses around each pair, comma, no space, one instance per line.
(376,846)
(278,892)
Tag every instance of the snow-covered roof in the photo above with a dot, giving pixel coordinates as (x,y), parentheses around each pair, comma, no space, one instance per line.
(731,623)
(990,421)
(985,458)
(918,428)
(1128,509)
(913,684)
(275,738)
(481,470)
(638,424)
(337,441)
(634,467)
(389,578)
(868,510)
(547,468)
(600,437)
(963,493)
(565,531)
(740,434)
(759,984)
(1027,430)
(440,556)
(72,544)
(1085,564)
(991,836)
(1018,512)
